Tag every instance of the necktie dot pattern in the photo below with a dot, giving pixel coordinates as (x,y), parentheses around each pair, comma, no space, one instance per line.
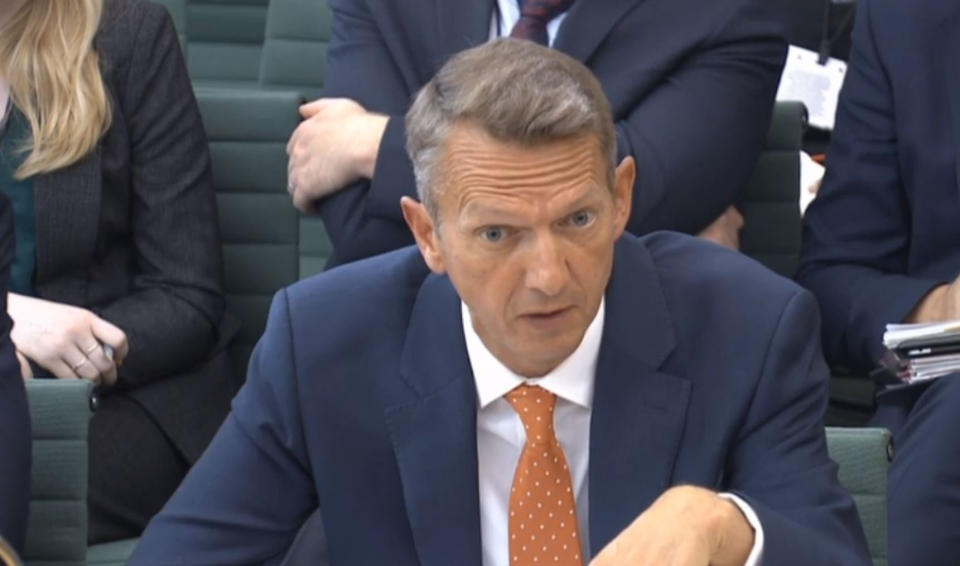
(543,513)
(534,17)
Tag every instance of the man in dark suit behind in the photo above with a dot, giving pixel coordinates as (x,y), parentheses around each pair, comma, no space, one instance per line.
(691,84)
(530,385)
(14,420)
(882,245)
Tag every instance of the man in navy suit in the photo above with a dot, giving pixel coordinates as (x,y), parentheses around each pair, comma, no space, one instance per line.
(691,84)
(882,245)
(529,384)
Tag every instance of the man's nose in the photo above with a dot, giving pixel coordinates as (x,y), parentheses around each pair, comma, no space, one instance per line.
(547,270)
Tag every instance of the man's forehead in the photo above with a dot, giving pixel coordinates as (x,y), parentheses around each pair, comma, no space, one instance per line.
(471,156)
(468,138)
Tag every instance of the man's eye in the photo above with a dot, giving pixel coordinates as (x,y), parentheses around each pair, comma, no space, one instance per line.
(493,234)
(581,218)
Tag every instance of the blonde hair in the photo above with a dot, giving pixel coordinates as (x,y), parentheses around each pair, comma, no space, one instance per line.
(48,59)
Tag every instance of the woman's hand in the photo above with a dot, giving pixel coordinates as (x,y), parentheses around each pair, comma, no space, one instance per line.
(68,341)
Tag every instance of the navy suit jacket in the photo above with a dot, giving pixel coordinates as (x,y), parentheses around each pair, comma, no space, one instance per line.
(14,420)
(885,228)
(360,401)
(691,84)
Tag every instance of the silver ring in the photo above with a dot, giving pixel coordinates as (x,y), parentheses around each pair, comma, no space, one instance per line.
(91,349)
(290,188)
(79,364)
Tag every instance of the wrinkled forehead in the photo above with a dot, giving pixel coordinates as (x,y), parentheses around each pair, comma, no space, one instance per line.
(474,164)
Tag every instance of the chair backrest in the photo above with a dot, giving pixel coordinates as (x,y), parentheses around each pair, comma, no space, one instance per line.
(295,59)
(770,203)
(863,456)
(60,413)
(225,39)
(295,46)
(248,132)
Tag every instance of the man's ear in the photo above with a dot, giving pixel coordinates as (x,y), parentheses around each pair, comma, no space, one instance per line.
(624,177)
(425,233)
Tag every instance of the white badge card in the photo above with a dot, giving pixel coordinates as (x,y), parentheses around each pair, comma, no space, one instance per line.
(816,85)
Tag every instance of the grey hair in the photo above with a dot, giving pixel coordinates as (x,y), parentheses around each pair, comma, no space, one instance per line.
(518,91)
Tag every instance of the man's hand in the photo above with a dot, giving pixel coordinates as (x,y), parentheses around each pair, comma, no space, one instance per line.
(725,230)
(335,145)
(686,526)
(940,304)
(66,340)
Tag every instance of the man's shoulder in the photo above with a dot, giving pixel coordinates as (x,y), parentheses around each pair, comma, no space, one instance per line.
(361,291)
(696,274)
(696,260)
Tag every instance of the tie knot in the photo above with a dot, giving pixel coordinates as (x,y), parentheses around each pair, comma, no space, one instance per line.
(543,11)
(535,406)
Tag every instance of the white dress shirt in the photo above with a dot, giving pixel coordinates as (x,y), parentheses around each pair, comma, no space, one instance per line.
(501,436)
(507,14)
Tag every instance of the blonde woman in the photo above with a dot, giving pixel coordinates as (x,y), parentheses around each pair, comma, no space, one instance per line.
(117,272)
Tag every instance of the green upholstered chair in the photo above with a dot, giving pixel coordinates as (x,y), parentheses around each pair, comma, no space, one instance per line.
(111,553)
(248,133)
(60,413)
(225,39)
(295,58)
(863,455)
(770,201)
(295,46)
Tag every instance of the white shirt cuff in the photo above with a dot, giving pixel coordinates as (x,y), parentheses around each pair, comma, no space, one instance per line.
(756,553)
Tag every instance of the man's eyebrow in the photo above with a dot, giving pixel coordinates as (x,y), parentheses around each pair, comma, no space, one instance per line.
(477,208)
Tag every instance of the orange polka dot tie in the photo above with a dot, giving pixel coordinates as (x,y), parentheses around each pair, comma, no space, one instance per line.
(543,514)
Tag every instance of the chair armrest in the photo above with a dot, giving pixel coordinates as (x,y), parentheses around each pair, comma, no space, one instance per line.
(60,412)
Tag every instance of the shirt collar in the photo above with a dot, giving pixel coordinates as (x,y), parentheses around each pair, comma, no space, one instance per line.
(572,380)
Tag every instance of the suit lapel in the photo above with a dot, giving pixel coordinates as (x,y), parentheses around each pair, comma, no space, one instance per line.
(67,211)
(461,25)
(587,24)
(433,427)
(638,412)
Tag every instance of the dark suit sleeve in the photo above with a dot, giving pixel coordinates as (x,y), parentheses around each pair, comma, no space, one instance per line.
(697,136)
(779,462)
(245,499)
(14,419)
(176,304)
(857,231)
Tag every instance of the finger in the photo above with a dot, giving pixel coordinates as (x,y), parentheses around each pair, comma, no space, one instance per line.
(302,201)
(313,108)
(81,365)
(736,217)
(61,370)
(25,370)
(112,336)
(293,139)
(97,356)
(110,377)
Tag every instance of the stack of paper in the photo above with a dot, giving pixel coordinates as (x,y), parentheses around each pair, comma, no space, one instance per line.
(923,351)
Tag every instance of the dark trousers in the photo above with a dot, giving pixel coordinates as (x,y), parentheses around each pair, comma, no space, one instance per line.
(134,469)
(924,478)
